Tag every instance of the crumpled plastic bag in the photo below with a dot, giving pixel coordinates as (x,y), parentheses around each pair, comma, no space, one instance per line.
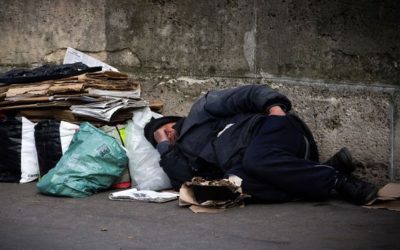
(143,195)
(144,159)
(118,132)
(93,161)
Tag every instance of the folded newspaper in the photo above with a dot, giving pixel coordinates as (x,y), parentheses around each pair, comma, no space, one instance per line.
(105,110)
(143,195)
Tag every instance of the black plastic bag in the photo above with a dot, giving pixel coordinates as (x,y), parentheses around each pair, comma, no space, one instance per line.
(19,161)
(52,139)
(46,72)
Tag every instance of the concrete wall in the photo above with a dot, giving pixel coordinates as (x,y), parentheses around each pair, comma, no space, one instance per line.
(338,60)
(354,41)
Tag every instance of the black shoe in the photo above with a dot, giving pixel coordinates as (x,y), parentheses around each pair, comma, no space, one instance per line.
(342,161)
(355,190)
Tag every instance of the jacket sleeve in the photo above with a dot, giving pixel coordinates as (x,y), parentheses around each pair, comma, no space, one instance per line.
(176,166)
(244,99)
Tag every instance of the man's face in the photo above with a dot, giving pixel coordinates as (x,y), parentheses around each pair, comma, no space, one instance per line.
(170,132)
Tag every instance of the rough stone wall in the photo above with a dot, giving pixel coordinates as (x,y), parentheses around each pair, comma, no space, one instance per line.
(355,41)
(37,32)
(338,60)
(334,40)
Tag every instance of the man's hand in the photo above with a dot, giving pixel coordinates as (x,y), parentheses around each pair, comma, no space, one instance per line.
(160,135)
(276,110)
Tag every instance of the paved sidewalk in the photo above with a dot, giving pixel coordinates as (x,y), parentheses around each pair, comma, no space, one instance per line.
(29,220)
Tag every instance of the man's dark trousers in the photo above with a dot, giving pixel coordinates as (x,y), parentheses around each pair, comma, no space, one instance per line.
(274,167)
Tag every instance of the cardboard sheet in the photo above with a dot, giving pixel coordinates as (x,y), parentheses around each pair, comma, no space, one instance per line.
(101,97)
(223,194)
(388,198)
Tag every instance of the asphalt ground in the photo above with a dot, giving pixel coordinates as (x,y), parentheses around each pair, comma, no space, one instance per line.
(29,220)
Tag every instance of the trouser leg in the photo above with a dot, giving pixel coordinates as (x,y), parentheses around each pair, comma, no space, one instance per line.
(260,191)
(274,157)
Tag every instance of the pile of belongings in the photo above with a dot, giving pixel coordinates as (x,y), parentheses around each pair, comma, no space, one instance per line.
(83,95)
(68,125)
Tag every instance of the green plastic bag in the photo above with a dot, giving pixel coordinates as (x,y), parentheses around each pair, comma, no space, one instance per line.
(93,161)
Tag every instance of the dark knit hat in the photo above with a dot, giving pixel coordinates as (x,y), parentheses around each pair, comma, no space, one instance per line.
(155,124)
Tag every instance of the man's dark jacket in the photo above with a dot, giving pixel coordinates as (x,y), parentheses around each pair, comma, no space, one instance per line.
(215,134)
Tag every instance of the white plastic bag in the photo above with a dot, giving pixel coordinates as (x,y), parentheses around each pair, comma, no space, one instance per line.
(67,131)
(144,166)
(143,195)
(29,158)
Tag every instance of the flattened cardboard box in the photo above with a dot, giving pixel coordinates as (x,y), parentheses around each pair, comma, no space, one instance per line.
(388,197)
(203,196)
